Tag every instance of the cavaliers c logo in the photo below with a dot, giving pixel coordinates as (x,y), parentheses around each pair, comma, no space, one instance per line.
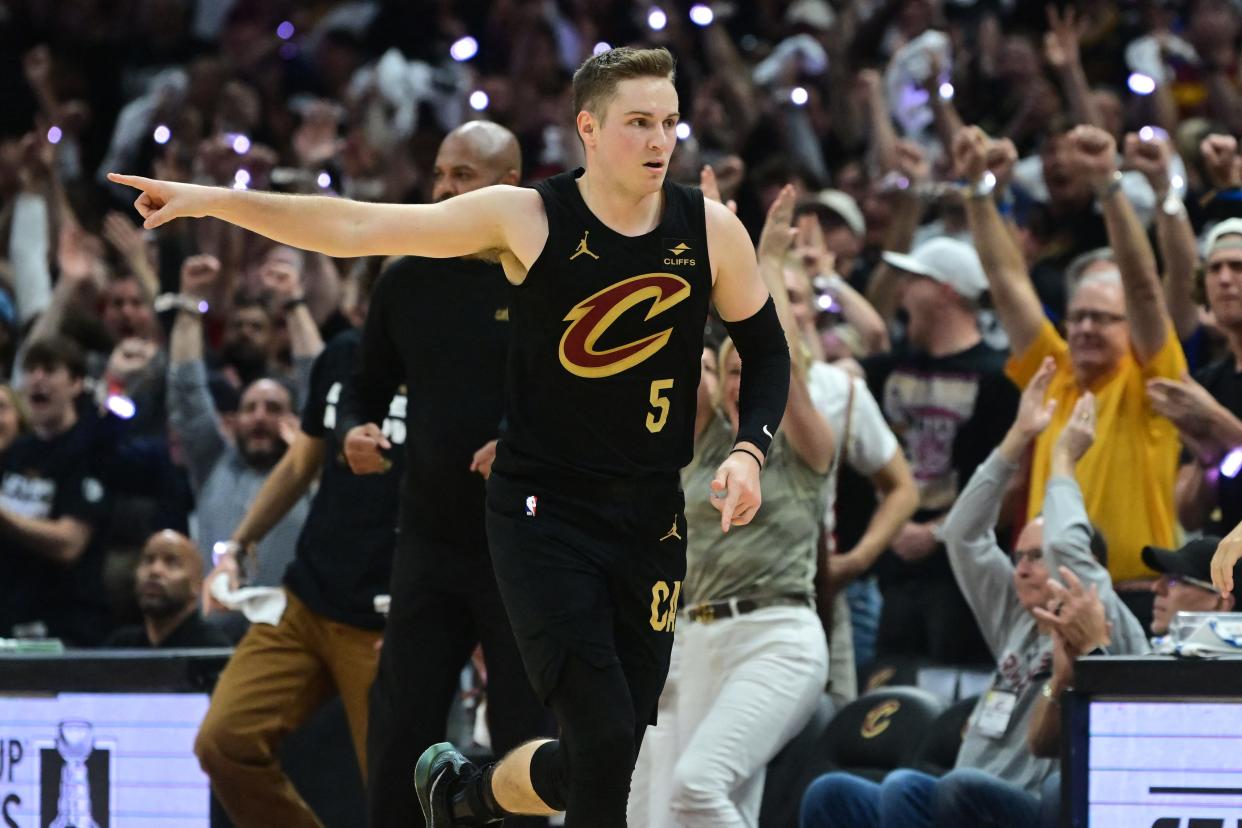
(593,316)
(878,719)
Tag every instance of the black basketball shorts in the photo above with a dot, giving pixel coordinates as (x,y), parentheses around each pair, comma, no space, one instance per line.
(592,572)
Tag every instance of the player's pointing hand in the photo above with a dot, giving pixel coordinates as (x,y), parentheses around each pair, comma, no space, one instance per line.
(162,201)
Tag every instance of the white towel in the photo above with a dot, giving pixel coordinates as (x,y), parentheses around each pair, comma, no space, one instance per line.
(260,605)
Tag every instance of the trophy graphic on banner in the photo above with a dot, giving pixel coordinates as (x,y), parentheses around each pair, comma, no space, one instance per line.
(74,741)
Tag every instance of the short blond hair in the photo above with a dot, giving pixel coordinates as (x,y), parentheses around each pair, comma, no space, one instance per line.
(596,80)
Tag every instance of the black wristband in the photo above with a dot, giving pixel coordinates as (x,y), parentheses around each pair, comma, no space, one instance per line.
(290,304)
(751,453)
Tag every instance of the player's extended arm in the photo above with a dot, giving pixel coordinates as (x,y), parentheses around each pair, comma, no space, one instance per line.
(750,317)
(343,228)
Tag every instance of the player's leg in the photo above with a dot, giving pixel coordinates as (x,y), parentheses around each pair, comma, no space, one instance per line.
(585,773)
(515,713)
(272,684)
(551,566)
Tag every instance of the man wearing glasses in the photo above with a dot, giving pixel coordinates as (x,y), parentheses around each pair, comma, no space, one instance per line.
(1119,336)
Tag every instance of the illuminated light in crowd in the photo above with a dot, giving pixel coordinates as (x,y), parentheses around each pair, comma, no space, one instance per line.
(241,144)
(464,49)
(799,96)
(1232,463)
(826,302)
(479,100)
(162,134)
(1141,84)
(285,30)
(701,15)
(601,47)
(122,407)
(324,180)
(54,135)
(1147,134)
(683,131)
(946,91)
(241,180)
(657,19)
(1177,182)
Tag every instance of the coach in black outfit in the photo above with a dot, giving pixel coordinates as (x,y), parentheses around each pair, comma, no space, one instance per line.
(441,326)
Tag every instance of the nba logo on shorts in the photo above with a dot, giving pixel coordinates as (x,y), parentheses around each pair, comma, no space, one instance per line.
(532,503)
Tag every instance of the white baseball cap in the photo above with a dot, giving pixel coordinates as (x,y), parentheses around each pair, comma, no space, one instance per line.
(946,260)
(844,205)
(1228,227)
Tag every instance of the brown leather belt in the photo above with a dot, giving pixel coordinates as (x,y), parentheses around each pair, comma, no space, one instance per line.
(708,611)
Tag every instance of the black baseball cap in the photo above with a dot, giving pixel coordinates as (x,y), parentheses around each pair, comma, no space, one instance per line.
(1193,560)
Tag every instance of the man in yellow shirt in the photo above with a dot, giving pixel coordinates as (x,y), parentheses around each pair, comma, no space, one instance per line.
(1119,336)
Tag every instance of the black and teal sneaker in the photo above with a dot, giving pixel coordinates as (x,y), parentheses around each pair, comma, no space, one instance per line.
(438,768)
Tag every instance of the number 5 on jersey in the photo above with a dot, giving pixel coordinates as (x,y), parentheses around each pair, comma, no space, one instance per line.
(657,418)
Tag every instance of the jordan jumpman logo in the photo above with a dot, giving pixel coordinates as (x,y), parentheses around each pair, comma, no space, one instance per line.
(582,247)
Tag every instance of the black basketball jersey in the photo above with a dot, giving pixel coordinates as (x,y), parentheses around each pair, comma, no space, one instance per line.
(606,344)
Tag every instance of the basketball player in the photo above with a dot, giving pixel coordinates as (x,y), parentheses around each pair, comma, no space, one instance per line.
(441,328)
(614,268)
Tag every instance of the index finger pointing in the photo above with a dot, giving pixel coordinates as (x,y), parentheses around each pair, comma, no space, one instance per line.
(135,181)
(729,507)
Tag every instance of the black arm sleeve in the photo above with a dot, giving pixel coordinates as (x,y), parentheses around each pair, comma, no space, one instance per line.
(378,369)
(760,342)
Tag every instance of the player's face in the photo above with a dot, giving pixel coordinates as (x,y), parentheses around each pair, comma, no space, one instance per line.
(636,137)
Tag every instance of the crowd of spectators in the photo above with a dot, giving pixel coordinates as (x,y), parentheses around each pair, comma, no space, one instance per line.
(987,193)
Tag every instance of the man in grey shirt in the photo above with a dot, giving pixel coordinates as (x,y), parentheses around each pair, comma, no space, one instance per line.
(227,475)
(994,763)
